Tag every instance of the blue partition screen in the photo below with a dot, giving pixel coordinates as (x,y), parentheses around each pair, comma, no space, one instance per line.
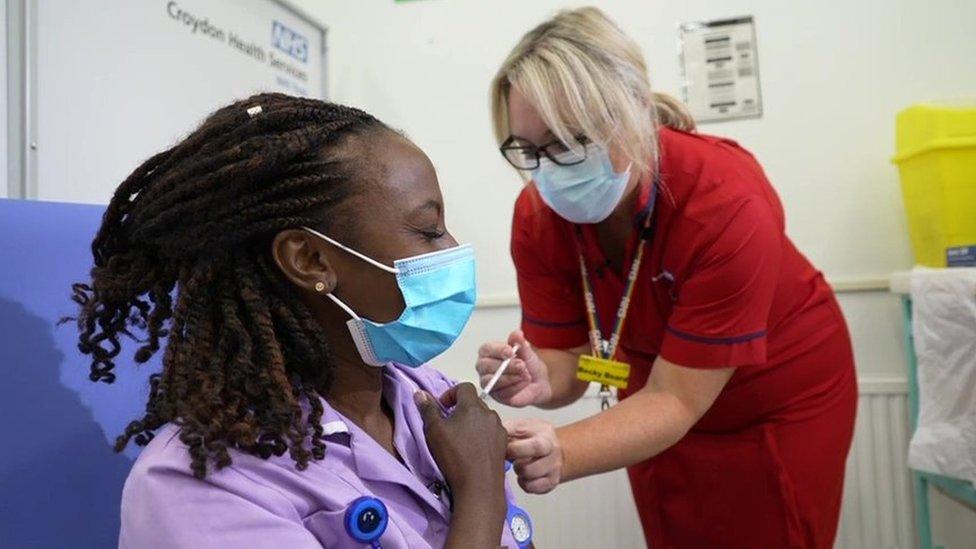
(60,481)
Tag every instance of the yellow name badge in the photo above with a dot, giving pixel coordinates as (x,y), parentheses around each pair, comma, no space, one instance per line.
(603,371)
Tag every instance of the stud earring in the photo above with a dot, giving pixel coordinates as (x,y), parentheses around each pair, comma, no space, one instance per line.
(319,286)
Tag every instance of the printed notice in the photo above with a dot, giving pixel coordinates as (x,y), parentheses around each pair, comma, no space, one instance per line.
(721,69)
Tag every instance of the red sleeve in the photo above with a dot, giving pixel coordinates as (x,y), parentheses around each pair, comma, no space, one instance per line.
(553,314)
(720,318)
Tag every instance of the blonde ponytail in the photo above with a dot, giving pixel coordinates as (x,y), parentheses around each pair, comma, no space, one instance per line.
(672,113)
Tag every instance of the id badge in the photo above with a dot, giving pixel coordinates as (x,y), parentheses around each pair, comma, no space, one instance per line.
(603,371)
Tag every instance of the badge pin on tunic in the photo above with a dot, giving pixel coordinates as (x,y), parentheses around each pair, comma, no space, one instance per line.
(366,520)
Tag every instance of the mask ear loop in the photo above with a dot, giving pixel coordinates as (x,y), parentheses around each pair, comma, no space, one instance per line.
(367,259)
(359,335)
(626,170)
(342,305)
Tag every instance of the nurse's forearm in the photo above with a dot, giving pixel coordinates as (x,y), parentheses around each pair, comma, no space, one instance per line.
(643,425)
(637,428)
(561,367)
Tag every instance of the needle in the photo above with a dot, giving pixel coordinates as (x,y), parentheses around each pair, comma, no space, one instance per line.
(498,374)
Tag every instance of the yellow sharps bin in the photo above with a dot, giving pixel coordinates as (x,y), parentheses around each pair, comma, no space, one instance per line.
(936,156)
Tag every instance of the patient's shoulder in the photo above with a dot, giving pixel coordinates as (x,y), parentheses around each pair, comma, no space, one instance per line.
(159,473)
(427,377)
(166,462)
(164,452)
(162,473)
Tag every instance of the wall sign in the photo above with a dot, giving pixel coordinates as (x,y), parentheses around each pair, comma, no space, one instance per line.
(150,71)
(720,67)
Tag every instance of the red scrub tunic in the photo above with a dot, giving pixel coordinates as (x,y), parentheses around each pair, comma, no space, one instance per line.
(720,285)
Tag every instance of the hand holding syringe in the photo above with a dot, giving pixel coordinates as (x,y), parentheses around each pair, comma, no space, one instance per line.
(498,374)
(512,373)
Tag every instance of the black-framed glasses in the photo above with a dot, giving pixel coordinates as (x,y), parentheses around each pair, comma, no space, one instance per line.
(523,155)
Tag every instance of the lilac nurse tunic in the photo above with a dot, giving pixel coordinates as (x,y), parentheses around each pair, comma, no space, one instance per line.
(268,503)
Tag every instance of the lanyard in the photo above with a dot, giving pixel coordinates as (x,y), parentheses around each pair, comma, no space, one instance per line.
(600,347)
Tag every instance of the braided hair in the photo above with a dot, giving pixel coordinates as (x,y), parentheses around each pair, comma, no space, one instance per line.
(183,254)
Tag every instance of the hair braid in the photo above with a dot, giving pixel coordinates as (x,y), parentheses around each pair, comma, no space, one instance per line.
(183,256)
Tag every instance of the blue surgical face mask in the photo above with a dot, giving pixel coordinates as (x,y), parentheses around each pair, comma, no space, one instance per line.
(439,291)
(582,193)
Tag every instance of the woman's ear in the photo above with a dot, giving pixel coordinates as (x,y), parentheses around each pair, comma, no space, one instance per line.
(302,260)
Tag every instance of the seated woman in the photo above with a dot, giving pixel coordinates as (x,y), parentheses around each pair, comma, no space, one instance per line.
(293,256)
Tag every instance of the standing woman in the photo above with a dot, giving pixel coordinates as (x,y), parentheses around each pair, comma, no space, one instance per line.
(662,252)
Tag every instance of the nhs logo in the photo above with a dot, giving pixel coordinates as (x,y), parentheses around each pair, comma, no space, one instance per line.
(289,42)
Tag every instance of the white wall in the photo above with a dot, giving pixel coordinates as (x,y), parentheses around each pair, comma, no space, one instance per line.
(4,192)
(952,522)
(114,85)
(834,74)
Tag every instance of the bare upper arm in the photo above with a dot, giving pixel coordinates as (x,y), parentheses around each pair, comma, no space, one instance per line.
(564,358)
(695,388)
